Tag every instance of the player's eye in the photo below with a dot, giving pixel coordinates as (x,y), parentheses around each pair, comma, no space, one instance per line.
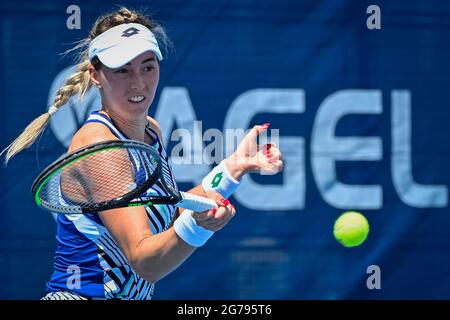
(121,71)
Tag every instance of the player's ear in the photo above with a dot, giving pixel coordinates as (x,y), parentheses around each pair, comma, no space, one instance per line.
(95,77)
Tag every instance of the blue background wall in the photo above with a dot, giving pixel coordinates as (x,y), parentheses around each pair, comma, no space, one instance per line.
(224,49)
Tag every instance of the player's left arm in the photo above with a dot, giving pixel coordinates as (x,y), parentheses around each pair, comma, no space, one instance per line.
(250,157)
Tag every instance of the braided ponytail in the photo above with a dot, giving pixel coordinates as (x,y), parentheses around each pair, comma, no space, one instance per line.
(79,82)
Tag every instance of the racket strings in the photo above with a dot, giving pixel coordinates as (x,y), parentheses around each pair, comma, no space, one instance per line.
(98,177)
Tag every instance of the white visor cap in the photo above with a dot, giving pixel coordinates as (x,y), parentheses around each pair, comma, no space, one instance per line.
(121,44)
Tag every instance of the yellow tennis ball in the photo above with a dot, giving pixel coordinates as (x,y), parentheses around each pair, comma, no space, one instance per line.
(351,229)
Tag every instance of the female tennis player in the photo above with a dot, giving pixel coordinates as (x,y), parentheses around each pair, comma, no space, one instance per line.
(121,253)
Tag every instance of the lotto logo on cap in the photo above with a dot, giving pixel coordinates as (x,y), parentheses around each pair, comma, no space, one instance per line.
(130,32)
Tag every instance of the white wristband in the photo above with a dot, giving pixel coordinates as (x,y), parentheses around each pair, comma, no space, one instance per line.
(187,229)
(221,181)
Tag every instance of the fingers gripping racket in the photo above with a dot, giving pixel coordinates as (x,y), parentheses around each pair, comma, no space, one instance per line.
(108,175)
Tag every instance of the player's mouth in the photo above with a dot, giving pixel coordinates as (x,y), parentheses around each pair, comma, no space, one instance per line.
(136,99)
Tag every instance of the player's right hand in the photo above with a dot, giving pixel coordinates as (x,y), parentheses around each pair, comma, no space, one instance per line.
(215,219)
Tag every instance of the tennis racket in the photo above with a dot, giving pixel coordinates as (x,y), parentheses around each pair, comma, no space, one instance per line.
(108,175)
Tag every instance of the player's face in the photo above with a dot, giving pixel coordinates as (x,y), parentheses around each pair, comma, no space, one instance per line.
(132,86)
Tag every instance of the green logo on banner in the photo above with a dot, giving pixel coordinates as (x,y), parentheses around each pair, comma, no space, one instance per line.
(216,180)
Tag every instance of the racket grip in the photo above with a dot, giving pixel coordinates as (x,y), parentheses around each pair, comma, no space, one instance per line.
(195,203)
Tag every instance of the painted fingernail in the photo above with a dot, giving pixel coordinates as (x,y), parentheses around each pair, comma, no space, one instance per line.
(268,146)
(214,211)
(224,201)
(266,124)
(268,154)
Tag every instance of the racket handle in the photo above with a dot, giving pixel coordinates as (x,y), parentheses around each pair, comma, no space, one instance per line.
(195,203)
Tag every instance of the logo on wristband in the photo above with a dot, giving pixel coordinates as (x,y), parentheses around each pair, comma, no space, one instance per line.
(216,180)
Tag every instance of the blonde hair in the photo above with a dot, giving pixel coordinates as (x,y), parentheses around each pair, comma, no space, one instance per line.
(79,83)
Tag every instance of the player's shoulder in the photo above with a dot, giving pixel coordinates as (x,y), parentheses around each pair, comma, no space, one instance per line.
(90,133)
(154,125)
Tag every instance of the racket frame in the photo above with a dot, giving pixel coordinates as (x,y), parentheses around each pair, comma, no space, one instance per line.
(127,200)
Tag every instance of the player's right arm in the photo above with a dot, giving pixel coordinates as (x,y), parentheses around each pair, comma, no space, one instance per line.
(152,256)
